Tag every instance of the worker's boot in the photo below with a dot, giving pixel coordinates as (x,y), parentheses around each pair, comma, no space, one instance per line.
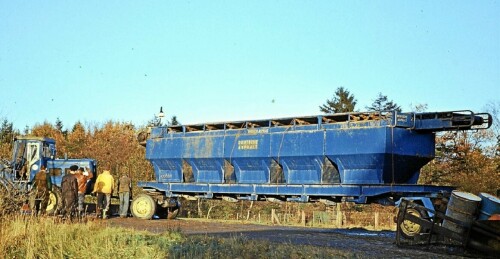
(104,214)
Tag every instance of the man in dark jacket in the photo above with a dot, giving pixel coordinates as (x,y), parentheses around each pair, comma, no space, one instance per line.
(42,186)
(69,188)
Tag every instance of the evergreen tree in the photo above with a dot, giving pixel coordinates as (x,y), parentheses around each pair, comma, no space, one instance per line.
(59,125)
(6,131)
(342,101)
(7,134)
(382,103)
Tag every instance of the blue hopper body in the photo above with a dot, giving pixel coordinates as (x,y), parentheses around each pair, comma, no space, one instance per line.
(362,157)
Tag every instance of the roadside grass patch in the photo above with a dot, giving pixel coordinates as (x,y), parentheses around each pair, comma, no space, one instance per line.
(50,237)
(32,237)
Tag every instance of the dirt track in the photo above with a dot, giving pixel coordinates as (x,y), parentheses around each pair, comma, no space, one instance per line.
(372,244)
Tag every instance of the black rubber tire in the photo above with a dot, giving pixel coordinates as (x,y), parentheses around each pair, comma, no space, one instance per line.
(143,206)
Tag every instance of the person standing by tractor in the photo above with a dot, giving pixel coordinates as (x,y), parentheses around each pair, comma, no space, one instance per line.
(82,176)
(104,186)
(124,188)
(69,188)
(42,186)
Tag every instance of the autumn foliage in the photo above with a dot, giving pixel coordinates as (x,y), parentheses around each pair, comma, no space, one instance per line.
(469,161)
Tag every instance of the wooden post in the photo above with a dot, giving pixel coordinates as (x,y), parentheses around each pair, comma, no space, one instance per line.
(344,219)
(339,216)
(274,217)
(376,220)
(303,218)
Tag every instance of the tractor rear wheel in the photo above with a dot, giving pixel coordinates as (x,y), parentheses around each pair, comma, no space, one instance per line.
(143,206)
(55,201)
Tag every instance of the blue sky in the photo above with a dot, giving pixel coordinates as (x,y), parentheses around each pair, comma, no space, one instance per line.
(212,61)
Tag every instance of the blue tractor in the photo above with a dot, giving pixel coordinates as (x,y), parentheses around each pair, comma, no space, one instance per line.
(361,157)
(29,154)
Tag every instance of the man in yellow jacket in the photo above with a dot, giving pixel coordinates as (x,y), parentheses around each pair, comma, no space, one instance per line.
(104,186)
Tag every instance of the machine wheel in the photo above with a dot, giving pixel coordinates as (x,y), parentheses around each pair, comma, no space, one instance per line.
(55,201)
(411,229)
(143,206)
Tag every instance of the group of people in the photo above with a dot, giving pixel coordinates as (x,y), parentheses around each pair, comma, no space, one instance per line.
(73,188)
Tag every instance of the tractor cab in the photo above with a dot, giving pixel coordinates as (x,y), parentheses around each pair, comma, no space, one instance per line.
(29,154)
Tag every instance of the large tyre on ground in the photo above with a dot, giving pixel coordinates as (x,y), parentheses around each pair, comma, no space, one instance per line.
(143,206)
(409,229)
(55,201)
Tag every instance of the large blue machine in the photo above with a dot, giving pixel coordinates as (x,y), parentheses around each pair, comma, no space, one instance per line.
(361,156)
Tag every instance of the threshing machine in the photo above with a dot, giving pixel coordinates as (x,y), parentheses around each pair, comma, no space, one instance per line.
(29,154)
(363,157)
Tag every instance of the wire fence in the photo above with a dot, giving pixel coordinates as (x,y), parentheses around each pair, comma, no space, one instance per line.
(330,217)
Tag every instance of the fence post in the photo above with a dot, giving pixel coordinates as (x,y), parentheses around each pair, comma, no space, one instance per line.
(338,219)
(274,217)
(303,218)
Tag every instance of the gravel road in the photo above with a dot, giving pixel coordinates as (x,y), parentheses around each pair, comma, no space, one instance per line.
(364,243)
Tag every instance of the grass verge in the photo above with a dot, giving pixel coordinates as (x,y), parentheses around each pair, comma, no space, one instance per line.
(45,237)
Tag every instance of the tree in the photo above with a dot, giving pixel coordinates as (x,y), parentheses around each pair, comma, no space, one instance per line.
(342,101)
(6,131)
(59,126)
(77,141)
(463,161)
(7,134)
(382,103)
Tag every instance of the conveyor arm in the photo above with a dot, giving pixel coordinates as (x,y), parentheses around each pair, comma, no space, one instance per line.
(444,121)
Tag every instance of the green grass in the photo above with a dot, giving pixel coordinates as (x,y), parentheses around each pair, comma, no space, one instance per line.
(49,237)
